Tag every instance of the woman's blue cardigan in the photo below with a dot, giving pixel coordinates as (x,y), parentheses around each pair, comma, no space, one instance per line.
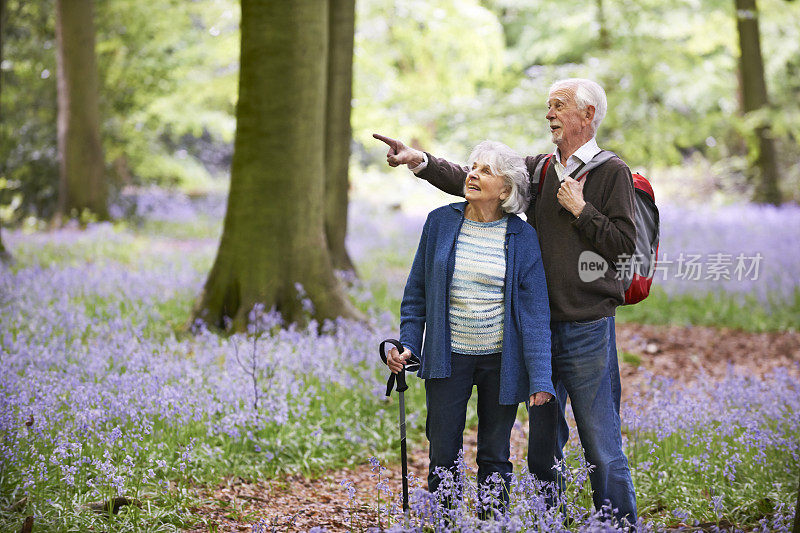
(525,361)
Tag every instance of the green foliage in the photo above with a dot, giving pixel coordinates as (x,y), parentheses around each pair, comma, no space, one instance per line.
(28,105)
(169,81)
(669,69)
(630,358)
(202,227)
(716,309)
(442,75)
(413,58)
(117,246)
(168,90)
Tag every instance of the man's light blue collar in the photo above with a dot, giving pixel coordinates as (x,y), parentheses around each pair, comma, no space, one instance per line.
(585,153)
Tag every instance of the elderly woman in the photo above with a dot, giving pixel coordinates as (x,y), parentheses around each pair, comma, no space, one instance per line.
(477,290)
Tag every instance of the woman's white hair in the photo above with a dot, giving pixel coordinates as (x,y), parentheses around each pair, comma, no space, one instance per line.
(508,164)
(587,93)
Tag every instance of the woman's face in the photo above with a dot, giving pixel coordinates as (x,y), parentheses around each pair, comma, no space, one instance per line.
(483,187)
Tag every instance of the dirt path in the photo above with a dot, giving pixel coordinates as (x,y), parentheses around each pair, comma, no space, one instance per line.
(298,504)
(686,352)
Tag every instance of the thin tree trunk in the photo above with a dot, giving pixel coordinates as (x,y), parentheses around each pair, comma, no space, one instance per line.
(605,37)
(754,97)
(4,255)
(2,34)
(338,133)
(273,236)
(82,182)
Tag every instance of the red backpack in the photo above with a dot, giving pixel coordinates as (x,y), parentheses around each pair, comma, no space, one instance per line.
(637,273)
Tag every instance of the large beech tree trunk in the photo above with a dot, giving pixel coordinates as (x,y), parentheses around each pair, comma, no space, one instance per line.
(273,236)
(754,97)
(338,133)
(82,182)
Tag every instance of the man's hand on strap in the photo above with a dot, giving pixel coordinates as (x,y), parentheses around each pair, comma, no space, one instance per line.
(399,153)
(570,196)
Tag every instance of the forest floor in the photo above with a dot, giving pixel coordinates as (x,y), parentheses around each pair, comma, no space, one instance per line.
(297,503)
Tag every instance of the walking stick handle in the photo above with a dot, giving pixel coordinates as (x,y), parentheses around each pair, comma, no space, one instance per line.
(400,376)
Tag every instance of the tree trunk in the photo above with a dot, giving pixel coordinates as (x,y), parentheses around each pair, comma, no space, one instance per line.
(273,236)
(604,41)
(4,255)
(82,182)
(338,133)
(2,33)
(754,97)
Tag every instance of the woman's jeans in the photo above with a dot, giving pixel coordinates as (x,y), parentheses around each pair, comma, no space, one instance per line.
(446,399)
(585,367)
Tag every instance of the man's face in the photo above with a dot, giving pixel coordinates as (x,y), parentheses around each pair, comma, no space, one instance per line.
(568,124)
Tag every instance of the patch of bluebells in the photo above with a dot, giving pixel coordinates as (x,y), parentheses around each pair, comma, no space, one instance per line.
(706,453)
(712,451)
(537,506)
(166,205)
(93,405)
(750,230)
(699,455)
(533,505)
(373,229)
(747,229)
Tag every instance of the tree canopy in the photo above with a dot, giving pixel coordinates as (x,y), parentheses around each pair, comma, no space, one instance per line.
(445,74)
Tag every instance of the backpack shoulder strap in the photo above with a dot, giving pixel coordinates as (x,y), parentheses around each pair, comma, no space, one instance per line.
(541,171)
(597,160)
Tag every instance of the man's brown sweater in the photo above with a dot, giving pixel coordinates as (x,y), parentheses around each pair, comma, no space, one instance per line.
(605,227)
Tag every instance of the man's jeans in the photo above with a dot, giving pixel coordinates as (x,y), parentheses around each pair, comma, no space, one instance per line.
(585,367)
(447,398)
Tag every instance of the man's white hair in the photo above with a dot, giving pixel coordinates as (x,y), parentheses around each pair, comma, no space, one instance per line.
(587,93)
(508,164)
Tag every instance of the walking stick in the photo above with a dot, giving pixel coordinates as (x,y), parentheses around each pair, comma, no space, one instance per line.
(400,377)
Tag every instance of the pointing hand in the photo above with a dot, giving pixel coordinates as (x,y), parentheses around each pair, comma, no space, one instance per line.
(399,153)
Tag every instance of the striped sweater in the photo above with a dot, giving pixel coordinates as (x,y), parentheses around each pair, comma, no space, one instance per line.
(424,323)
(476,291)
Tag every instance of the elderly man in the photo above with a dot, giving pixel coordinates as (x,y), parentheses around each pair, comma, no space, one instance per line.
(579,222)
